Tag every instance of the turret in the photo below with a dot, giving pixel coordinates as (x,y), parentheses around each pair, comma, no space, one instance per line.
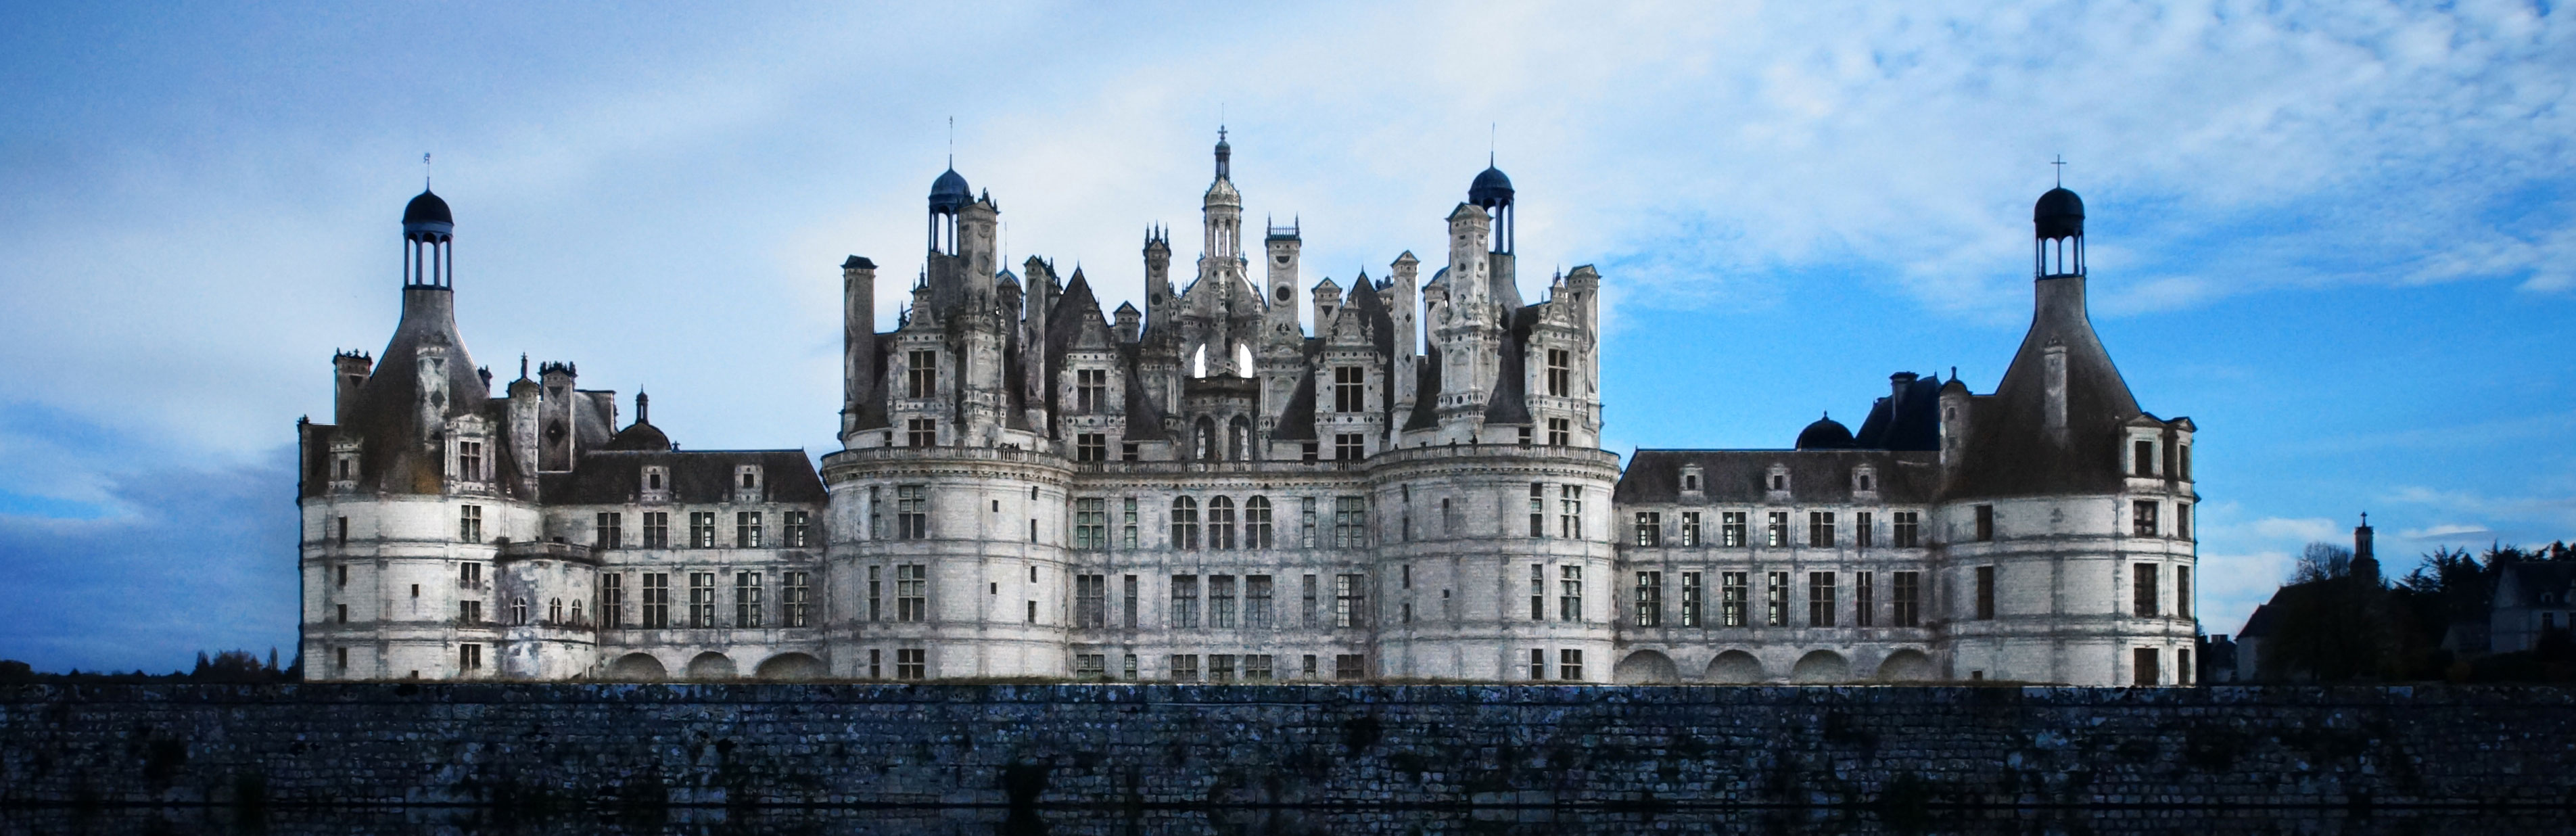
(1492,192)
(1128,322)
(1328,298)
(1279,300)
(858,337)
(556,440)
(1159,301)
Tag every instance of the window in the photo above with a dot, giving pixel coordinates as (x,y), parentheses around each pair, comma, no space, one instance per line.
(1184,667)
(1349,598)
(876,591)
(1908,529)
(912,592)
(746,529)
(1306,511)
(1985,593)
(800,529)
(340,659)
(2142,459)
(1985,523)
(2142,589)
(1185,602)
(1220,523)
(1569,593)
(1694,601)
(1131,451)
(1560,432)
(1538,592)
(1091,447)
(922,374)
(343,572)
(1650,528)
(1350,522)
(653,478)
(1650,599)
(1538,664)
(1349,390)
(1350,666)
(1091,524)
(1221,667)
(1256,523)
(469,656)
(1908,602)
(1090,390)
(2142,518)
(1221,601)
(469,524)
(1560,372)
(2182,521)
(1864,529)
(1569,511)
(1776,600)
(1731,529)
(2143,665)
(1569,665)
(1820,529)
(606,530)
(1820,599)
(469,612)
(2182,667)
(1690,528)
(912,512)
(1185,523)
(796,604)
(343,616)
(2182,594)
(911,663)
(1257,611)
(1089,666)
(702,599)
(1777,534)
(1127,523)
(469,576)
(1306,452)
(1524,435)
(344,534)
(657,600)
(1033,613)
(920,432)
(1864,599)
(2182,462)
(469,461)
(1256,668)
(702,529)
(1690,479)
(876,513)
(746,600)
(1310,603)
(1127,601)
(612,600)
(1734,599)
(1350,447)
(1538,510)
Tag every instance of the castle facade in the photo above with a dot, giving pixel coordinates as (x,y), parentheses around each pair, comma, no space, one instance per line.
(1205,490)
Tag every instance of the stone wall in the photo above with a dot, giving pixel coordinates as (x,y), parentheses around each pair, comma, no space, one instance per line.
(658,746)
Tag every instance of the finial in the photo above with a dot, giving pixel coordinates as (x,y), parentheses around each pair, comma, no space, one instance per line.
(1492,131)
(952,143)
(2060,163)
(424,171)
(523,365)
(2365,519)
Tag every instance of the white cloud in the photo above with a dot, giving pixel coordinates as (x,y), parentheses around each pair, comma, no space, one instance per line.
(2448,531)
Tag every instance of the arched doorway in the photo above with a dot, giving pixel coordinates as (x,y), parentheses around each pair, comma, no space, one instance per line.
(638,667)
(1820,667)
(1736,667)
(790,667)
(1645,667)
(711,665)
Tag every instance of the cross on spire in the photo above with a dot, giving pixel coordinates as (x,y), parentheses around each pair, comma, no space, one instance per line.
(424,171)
(2060,163)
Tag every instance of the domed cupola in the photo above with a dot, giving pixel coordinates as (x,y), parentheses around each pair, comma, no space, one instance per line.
(2057,221)
(427,213)
(949,193)
(429,230)
(1825,434)
(1492,192)
(640,436)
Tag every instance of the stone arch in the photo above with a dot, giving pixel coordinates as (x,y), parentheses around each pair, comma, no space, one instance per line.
(1736,667)
(1908,665)
(790,666)
(1206,446)
(638,667)
(1645,667)
(711,665)
(1821,666)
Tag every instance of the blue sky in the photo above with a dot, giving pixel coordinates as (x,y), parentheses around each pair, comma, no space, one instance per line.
(2340,236)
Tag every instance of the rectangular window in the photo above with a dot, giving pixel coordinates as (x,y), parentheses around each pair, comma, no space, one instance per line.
(1569,511)
(746,600)
(1985,592)
(1307,452)
(1221,601)
(1256,668)
(469,461)
(1091,524)
(1560,372)
(912,512)
(469,656)
(1985,523)
(1257,612)
(1185,602)
(1184,667)
(1735,597)
(2182,667)
(1127,523)
(1538,510)
(344,537)
(1569,592)
(702,529)
(1909,599)
(876,514)
(912,592)
(1091,390)
(1650,528)
(702,599)
(340,659)
(1776,600)
(1221,667)
(1690,528)
(2182,463)
(2142,518)
(1090,601)
(2182,521)
(1864,599)
(1350,666)
(469,612)
(798,601)
(1864,529)
(1538,664)
(911,663)
(469,576)
(1091,447)
(1127,672)
(1349,389)
(1909,529)
(343,571)
(1220,527)
(2182,592)
(657,600)
(1820,599)
(1694,601)
(2142,589)
(2143,665)
(1569,665)
(1127,601)
(1090,666)
(469,524)
(921,432)
(1350,522)
(1731,529)
(1306,511)
(1256,523)
(607,532)
(612,600)
(1820,529)
(1350,447)
(746,529)
(800,529)
(1350,599)
(921,374)
(1560,432)
(2142,459)
(1650,599)
(876,593)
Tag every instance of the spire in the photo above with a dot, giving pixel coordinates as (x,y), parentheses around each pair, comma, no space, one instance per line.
(1224,155)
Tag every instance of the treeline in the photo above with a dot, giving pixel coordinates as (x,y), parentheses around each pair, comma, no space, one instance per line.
(2338,620)
(231,667)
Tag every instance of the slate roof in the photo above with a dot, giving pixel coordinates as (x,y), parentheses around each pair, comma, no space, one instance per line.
(1743,476)
(697,476)
(395,458)
(2009,451)
(1911,421)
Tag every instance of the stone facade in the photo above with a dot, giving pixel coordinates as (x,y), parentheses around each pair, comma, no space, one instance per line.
(1205,490)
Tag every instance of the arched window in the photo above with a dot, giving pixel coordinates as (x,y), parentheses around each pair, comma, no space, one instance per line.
(576,611)
(519,611)
(1256,523)
(1238,439)
(554,611)
(1206,448)
(1198,362)
(1242,359)
(1220,529)
(1185,523)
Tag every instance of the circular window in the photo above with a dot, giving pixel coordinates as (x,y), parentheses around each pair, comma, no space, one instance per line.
(1283,293)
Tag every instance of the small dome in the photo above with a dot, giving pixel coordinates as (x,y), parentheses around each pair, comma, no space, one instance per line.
(1825,434)
(639,436)
(2060,214)
(428,208)
(1491,189)
(949,192)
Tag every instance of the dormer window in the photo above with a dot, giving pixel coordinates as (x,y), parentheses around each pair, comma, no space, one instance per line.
(1779,478)
(1690,478)
(469,461)
(1865,480)
(657,483)
(747,477)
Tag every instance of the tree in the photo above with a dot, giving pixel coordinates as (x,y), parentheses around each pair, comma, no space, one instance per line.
(2320,561)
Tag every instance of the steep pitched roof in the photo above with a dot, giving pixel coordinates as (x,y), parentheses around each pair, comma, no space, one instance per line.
(387,414)
(696,476)
(2009,451)
(1743,476)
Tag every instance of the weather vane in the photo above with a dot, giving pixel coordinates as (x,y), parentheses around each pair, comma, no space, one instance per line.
(424,170)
